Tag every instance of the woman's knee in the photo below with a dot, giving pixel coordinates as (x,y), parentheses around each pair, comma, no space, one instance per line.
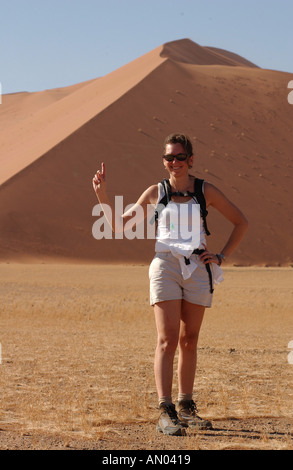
(189,342)
(167,343)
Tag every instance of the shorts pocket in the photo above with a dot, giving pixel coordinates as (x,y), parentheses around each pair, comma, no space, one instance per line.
(156,265)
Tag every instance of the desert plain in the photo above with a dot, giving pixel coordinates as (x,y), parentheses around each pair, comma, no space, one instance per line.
(77,360)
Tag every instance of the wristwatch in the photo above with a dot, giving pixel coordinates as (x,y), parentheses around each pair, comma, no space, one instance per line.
(221,258)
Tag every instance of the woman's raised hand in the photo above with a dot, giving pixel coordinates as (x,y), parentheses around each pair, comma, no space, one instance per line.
(99,180)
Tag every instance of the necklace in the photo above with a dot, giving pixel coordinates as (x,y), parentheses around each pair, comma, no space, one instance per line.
(177,192)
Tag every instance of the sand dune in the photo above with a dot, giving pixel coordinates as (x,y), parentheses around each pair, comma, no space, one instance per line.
(189,52)
(53,141)
(238,60)
(50,119)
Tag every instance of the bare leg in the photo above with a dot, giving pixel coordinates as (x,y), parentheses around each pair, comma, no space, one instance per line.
(167,315)
(191,321)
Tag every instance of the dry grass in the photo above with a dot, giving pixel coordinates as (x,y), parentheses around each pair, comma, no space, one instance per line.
(77,360)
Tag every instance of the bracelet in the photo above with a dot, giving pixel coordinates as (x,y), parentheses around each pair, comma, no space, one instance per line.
(221,258)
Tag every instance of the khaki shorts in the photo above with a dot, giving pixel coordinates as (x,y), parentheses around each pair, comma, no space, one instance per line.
(167,283)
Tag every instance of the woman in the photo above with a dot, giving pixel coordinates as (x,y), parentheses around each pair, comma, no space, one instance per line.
(179,296)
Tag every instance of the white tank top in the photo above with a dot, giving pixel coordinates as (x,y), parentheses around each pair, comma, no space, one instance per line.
(179,225)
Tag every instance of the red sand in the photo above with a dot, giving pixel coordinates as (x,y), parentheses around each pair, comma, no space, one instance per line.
(52,143)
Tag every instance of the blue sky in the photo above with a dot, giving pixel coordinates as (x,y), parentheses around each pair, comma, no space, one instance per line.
(47,44)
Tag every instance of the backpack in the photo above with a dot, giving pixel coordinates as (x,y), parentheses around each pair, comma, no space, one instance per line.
(197,193)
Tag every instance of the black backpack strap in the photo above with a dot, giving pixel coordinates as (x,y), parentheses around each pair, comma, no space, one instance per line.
(198,183)
(164,201)
(168,192)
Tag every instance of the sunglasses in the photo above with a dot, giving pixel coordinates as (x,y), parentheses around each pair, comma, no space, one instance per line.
(181,157)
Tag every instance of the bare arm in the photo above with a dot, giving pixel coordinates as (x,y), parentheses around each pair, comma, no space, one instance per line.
(149,196)
(215,198)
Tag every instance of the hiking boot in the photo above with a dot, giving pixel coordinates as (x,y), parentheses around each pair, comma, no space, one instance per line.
(187,414)
(168,421)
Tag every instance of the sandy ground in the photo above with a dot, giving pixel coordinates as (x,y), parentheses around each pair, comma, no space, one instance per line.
(77,360)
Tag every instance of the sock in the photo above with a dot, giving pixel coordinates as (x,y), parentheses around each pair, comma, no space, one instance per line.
(165,400)
(184,397)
